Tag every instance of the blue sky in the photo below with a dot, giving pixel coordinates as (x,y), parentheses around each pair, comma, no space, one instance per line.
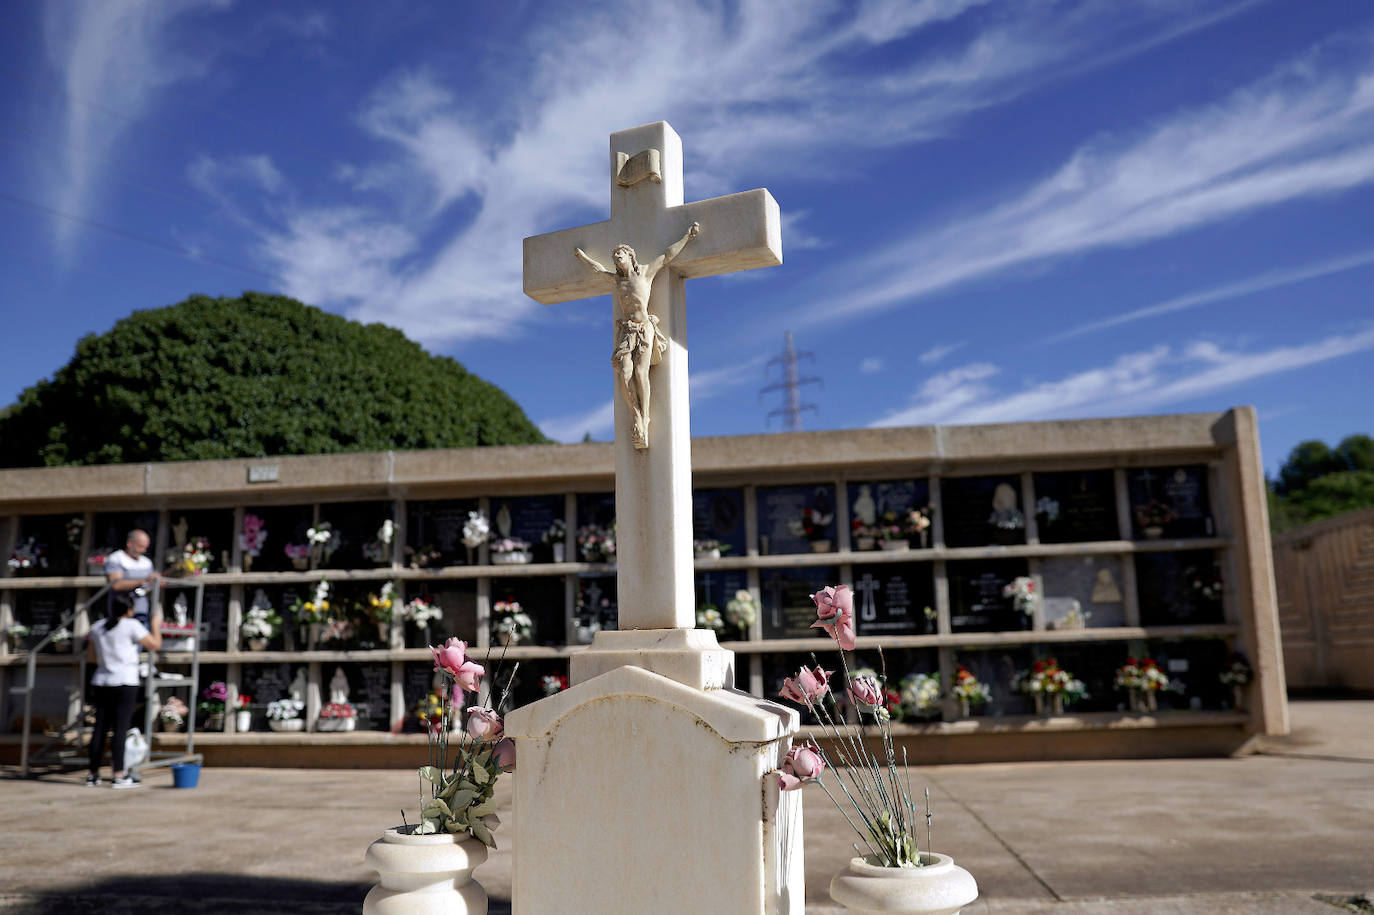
(992,211)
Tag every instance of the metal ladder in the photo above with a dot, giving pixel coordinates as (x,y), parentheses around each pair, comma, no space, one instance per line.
(156,679)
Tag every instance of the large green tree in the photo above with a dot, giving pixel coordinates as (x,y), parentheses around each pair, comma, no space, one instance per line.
(1317,482)
(253,376)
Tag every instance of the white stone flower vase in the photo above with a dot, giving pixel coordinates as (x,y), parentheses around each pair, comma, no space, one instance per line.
(243,721)
(423,874)
(560,552)
(941,887)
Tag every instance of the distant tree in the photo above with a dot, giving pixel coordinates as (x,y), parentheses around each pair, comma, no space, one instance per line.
(253,376)
(1306,462)
(1317,482)
(1356,452)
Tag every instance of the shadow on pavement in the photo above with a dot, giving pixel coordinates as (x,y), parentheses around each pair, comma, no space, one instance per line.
(200,894)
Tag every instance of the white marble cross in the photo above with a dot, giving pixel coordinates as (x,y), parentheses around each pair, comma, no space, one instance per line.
(653,488)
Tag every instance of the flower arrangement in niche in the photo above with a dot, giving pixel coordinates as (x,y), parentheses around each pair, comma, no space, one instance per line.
(510,550)
(880,806)
(1154,514)
(16,632)
(1047,508)
(316,609)
(968,690)
(285,709)
(813,525)
(338,710)
(921,694)
(708,617)
(173,713)
(261,622)
(1237,671)
(29,555)
(424,556)
(192,559)
(252,538)
(460,795)
(378,607)
(75,527)
(1023,593)
(1142,674)
(423,610)
(323,540)
(476,530)
(510,624)
(379,549)
(1007,519)
(553,684)
(741,611)
(596,543)
(214,698)
(1046,680)
(709,548)
(62,639)
(910,525)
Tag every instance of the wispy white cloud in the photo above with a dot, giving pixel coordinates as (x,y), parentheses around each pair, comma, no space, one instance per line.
(1132,383)
(1263,282)
(870,365)
(1302,132)
(120,53)
(938,352)
(598,422)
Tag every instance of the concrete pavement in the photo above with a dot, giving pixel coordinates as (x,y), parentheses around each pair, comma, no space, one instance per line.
(1264,834)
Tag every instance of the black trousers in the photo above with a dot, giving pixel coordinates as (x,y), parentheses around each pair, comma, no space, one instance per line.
(114,710)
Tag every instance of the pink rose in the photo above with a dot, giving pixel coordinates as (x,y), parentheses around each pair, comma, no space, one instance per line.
(866,692)
(468,675)
(807,686)
(484,723)
(788,782)
(450,655)
(805,762)
(841,629)
(503,754)
(832,602)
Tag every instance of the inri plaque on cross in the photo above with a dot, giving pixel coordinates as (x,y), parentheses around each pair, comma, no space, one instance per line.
(641,255)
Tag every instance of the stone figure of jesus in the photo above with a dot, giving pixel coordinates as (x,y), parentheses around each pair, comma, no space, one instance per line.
(639,342)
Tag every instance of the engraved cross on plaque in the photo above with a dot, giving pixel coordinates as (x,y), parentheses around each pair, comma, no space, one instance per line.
(653,488)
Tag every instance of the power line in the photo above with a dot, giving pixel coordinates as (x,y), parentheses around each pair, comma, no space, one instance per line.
(791,384)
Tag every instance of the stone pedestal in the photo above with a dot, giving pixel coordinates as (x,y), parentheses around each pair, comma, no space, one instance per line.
(635,793)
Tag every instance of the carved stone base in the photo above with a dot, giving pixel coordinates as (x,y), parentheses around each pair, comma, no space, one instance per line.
(689,656)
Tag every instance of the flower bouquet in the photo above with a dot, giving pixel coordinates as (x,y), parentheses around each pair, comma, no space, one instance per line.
(1046,679)
(422,611)
(172,715)
(1024,595)
(968,690)
(507,551)
(1141,679)
(1152,516)
(814,525)
(553,684)
(95,562)
(377,608)
(596,543)
(285,715)
(337,716)
(299,554)
(510,624)
(323,540)
(29,556)
(311,614)
(192,559)
(1047,508)
(476,531)
(708,617)
(260,623)
(557,538)
(905,529)
(62,640)
(709,548)
(864,536)
(920,695)
(76,526)
(16,633)
(379,550)
(1237,675)
(243,717)
(252,537)
(424,556)
(741,611)
(214,698)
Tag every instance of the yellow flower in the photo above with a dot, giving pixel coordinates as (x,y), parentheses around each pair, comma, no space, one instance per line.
(309,605)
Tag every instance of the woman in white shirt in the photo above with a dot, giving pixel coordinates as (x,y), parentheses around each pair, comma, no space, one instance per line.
(113,645)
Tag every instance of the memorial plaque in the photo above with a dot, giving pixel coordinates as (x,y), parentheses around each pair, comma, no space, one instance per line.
(284,524)
(596,508)
(783,513)
(979,511)
(214,617)
(1181,588)
(214,524)
(437,527)
(1095,664)
(897,599)
(1196,666)
(541,599)
(788,610)
(870,502)
(1181,492)
(357,524)
(369,690)
(997,669)
(267,682)
(526,517)
(718,514)
(56,554)
(596,609)
(419,679)
(42,612)
(718,588)
(1091,584)
(1076,506)
(457,600)
(976,603)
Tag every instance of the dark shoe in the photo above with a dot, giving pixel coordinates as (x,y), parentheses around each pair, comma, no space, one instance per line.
(124,782)
(93,781)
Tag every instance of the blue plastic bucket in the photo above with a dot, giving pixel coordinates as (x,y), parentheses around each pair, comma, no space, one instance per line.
(185,775)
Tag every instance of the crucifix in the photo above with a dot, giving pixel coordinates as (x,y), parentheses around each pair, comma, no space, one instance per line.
(868,610)
(652,242)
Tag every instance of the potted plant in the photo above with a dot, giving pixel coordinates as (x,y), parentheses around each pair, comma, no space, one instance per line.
(864,536)
(557,538)
(285,715)
(596,543)
(708,617)
(337,716)
(708,548)
(243,715)
(476,530)
(213,700)
(969,691)
(311,614)
(510,624)
(1237,675)
(891,873)
(16,633)
(741,611)
(920,695)
(1050,687)
(510,551)
(931,617)
(62,640)
(379,550)
(1152,516)
(261,623)
(252,537)
(427,866)
(1141,679)
(172,715)
(29,557)
(814,526)
(422,611)
(299,554)
(1024,597)
(323,541)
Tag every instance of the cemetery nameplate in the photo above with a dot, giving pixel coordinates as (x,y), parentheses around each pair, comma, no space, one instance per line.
(45,610)
(893,599)
(370,692)
(718,514)
(1179,588)
(718,588)
(873,500)
(780,510)
(267,682)
(530,516)
(596,508)
(1076,506)
(439,526)
(416,684)
(214,618)
(979,511)
(1182,489)
(788,610)
(1094,582)
(975,596)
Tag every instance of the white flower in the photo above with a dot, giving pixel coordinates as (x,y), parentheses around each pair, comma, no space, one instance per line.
(476,530)
(387,531)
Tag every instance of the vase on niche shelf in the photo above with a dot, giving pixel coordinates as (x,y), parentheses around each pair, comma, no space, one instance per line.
(896,546)
(257,644)
(865,543)
(243,721)
(1238,697)
(214,721)
(246,562)
(300,563)
(560,552)
(287,724)
(963,708)
(1153,532)
(938,887)
(425,873)
(708,554)
(820,546)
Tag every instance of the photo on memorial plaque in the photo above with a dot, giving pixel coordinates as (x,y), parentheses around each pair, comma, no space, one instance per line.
(889,514)
(595,534)
(274,538)
(1179,588)
(718,518)
(978,598)
(911,677)
(595,609)
(894,599)
(527,611)
(47,545)
(1170,502)
(788,610)
(715,590)
(796,519)
(199,540)
(37,613)
(1082,592)
(1095,664)
(357,691)
(981,511)
(520,524)
(267,683)
(434,533)
(363,534)
(1076,506)
(996,669)
(447,610)
(110,531)
(1194,668)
